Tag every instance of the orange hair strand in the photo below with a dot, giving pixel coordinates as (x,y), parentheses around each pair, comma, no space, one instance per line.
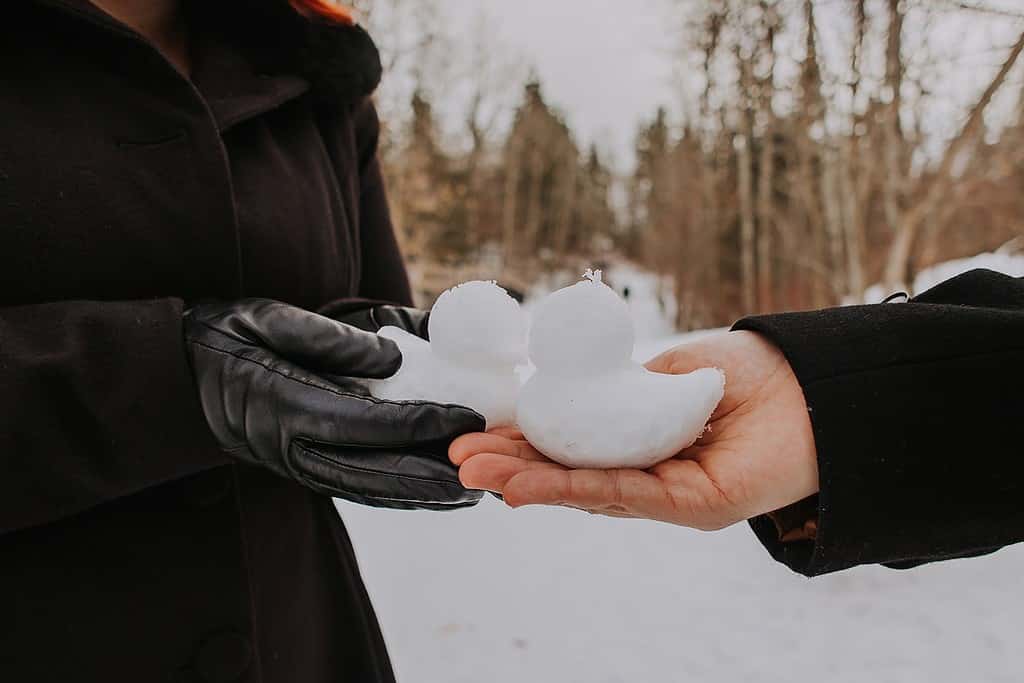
(323,9)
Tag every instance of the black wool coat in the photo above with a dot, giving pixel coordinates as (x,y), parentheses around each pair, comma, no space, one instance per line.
(130,549)
(918,416)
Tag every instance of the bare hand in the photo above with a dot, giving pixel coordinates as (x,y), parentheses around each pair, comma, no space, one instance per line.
(758,455)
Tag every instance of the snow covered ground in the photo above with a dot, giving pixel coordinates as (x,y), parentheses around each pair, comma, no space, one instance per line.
(551,595)
(543,595)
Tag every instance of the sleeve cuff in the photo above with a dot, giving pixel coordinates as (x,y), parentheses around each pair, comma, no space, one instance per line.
(893,392)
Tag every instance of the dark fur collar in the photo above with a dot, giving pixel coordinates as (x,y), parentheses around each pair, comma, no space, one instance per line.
(341,62)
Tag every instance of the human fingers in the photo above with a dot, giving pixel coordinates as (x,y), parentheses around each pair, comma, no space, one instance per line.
(469,445)
(687,357)
(707,487)
(615,490)
(492,471)
(509,433)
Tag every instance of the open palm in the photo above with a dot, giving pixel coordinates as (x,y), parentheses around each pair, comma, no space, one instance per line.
(757,456)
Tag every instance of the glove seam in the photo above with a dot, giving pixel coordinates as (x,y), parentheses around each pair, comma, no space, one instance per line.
(331,390)
(216,330)
(364,470)
(341,492)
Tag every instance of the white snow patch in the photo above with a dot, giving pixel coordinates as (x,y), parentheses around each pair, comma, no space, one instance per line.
(1003,260)
(589,404)
(559,596)
(648,297)
(999,261)
(477,339)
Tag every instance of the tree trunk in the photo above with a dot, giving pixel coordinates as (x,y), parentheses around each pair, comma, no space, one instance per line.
(853,221)
(510,205)
(534,204)
(766,166)
(833,221)
(894,183)
(747,273)
(563,230)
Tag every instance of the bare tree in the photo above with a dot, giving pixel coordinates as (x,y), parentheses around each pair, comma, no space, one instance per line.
(770,23)
(937,185)
(744,141)
(799,176)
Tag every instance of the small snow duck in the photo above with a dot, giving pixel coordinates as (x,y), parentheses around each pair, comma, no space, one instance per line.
(477,339)
(589,405)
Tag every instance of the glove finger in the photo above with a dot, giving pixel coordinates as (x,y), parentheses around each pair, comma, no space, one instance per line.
(401,505)
(412,320)
(323,412)
(390,478)
(316,342)
(340,309)
(409,319)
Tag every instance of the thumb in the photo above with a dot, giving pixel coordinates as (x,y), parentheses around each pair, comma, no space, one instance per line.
(678,360)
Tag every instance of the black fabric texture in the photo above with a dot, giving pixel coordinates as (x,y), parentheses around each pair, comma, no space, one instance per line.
(130,544)
(917,415)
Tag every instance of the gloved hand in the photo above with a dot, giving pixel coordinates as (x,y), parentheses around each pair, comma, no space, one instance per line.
(279,387)
(372,315)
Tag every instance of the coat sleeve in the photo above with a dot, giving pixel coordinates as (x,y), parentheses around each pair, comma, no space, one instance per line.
(96,402)
(918,417)
(383,275)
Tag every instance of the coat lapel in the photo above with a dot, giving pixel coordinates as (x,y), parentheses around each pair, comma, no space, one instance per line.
(234,90)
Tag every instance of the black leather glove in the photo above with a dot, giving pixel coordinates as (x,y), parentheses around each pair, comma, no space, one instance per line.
(279,388)
(372,315)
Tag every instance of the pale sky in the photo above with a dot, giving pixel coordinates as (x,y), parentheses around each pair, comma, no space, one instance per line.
(605,63)
(608,64)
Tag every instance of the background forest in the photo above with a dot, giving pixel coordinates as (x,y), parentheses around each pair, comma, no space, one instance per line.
(795,172)
(806,153)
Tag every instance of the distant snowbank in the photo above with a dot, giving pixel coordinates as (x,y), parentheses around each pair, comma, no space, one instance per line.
(1003,260)
(649,297)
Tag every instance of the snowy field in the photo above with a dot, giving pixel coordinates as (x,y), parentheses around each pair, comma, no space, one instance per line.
(550,595)
(544,595)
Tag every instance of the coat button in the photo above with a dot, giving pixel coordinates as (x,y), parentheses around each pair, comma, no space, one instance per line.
(223,657)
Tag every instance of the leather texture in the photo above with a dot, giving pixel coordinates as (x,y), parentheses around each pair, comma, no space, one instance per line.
(280,389)
(372,315)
